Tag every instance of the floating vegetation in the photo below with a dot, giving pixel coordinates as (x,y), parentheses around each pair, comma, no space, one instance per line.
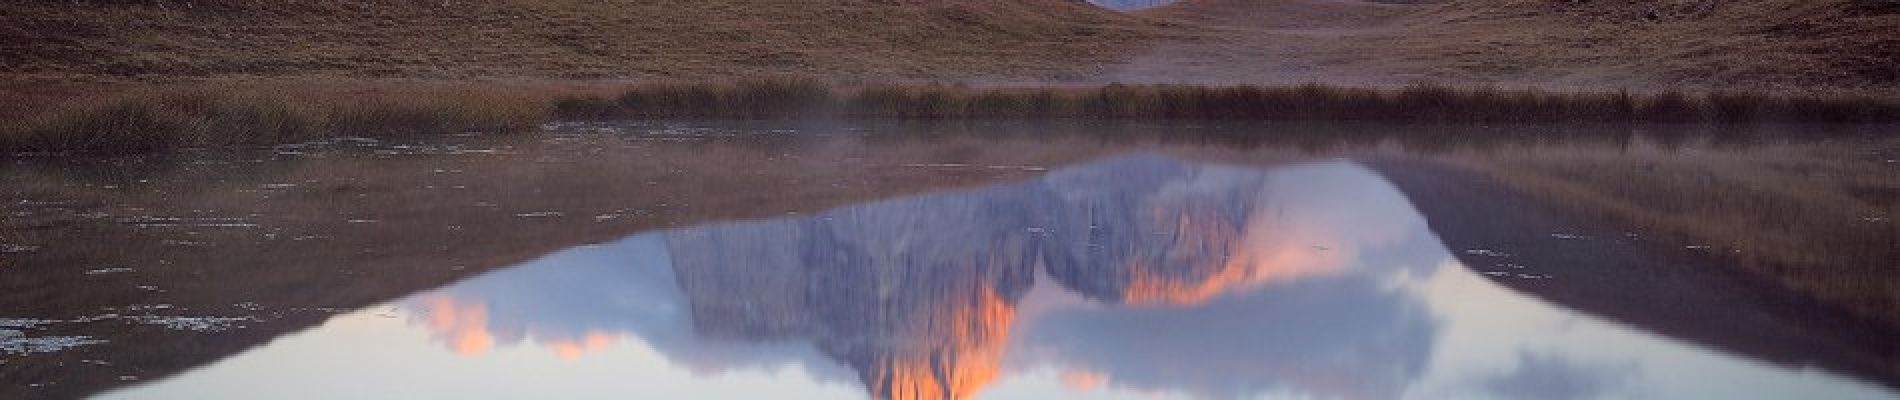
(14,339)
(1487,253)
(149,221)
(23,323)
(18,343)
(104,271)
(144,307)
(194,324)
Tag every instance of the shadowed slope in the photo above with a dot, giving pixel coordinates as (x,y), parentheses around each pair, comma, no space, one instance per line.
(1605,270)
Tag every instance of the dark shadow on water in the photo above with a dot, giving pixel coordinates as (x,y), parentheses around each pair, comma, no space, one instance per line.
(1609,272)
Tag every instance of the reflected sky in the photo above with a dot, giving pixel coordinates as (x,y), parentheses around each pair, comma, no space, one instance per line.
(1130,5)
(1134,277)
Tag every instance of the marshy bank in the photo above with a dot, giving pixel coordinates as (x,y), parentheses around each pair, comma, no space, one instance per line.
(155,119)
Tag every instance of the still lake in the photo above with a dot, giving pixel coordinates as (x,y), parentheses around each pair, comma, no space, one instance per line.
(887,260)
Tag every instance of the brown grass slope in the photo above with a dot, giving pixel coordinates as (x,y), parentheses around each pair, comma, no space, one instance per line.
(1751,44)
(562,39)
(1559,44)
(1282,13)
(1706,42)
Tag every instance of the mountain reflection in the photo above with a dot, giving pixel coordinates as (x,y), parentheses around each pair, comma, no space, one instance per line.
(1136,276)
(919,296)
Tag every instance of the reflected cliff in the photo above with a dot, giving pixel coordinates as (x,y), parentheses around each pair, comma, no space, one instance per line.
(1133,277)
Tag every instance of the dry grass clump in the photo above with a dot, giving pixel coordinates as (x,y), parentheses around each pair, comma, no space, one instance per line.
(426,112)
(764,98)
(148,120)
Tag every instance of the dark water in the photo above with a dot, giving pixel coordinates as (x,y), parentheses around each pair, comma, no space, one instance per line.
(678,262)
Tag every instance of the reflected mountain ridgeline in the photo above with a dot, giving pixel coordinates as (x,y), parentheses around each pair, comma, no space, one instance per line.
(1135,276)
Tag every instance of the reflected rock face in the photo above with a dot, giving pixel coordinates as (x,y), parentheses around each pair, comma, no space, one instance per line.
(918,295)
(1147,229)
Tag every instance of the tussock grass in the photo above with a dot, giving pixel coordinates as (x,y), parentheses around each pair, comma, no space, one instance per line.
(152,121)
(413,113)
(148,120)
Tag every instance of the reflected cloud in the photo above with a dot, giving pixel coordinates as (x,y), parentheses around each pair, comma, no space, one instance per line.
(463,327)
(1338,339)
(569,349)
(1550,376)
(1083,381)
(586,299)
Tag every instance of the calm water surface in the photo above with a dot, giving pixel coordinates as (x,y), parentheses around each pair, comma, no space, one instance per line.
(666,262)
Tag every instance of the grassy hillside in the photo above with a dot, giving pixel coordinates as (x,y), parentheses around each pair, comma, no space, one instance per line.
(1719,43)
(560,39)
(1694,44)
(1753,44)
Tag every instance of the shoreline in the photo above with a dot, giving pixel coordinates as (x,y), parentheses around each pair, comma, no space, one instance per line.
(156,119)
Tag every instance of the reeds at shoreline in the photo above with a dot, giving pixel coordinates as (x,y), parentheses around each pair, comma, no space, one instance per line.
(143,121)
(1416,103)
(151,120)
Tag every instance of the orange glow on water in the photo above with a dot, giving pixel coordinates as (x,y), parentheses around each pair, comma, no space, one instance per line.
(571,349)
(967,356)
(462,326)
(1083,381)
(1263,251)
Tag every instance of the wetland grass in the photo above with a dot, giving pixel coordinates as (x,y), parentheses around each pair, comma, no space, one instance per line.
(1312,102)
(156,119)
(148,120)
